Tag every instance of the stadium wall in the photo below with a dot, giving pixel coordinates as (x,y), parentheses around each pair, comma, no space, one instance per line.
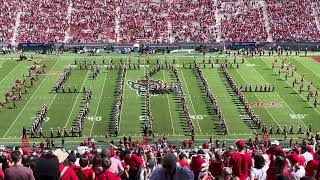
(311,46)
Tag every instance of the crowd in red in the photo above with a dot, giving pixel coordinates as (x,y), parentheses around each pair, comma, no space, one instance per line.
(143,22)
(133,160)
(42,20)
(293,20)
(92,21)
(151,21)
(8,11)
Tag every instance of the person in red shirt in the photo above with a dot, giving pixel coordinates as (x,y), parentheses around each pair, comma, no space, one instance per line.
(106,175)
(72,159)
(274,150)
(241,161)
(66,172)
(86,173)
(196,163)
(183,160)
(277,168)
(302,160)
(135,163)
(312,168)
(1,174)
(216,165)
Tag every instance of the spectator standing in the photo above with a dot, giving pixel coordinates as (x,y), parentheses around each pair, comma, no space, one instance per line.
(196,162)
(259,171)
(241,161)
(85,173)
(18,171)
(67,172)
(277,168)
(216,165)
(135,163)
(306,154)
(183,160)
(46,167)
(105,174)
(171,171)
(296,171)
(116,166)
(227,173)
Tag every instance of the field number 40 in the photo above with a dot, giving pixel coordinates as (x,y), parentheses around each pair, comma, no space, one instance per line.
(298,116)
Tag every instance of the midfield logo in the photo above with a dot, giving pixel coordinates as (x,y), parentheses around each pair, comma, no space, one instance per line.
(140,86)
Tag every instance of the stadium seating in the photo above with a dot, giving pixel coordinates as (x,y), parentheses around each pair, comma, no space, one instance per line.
(242,22)
(93,21)
(192,21)
(43,20)
(293,21)
(152,21)
(7,21)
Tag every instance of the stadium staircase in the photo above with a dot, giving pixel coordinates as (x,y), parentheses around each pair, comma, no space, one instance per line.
(69,14)
(218,23)
(117,23)
(316,16)
(266,20)
(16,29)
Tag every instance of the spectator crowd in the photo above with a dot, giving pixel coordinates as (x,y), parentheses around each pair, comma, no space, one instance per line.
(133,160)
(152,21)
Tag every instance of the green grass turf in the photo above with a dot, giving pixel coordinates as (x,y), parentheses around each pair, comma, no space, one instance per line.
(168,119)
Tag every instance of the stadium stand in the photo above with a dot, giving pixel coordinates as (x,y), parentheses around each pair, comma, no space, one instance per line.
(131,159)
(151,21)
(293,21)
(244,22)
(192,21)
(92,21)
(144,22)
(42,21)
(8,12)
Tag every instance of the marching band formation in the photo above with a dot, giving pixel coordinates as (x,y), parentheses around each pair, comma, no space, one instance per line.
(36,125)
(148,127)
(119,99)
(60,84)
(185,108)
(213,99)
(154,87)
(257,121)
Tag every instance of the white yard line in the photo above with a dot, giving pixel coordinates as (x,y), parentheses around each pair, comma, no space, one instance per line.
(74,104)
(308,68)
(28,102)
(260,100)
(9,72)
(164,78)
(190,100)
(281,98)
(95,115)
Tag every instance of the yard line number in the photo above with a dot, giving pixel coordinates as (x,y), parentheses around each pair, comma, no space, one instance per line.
(297,116)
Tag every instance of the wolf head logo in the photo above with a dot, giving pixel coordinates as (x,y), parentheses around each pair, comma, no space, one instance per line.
(140,85)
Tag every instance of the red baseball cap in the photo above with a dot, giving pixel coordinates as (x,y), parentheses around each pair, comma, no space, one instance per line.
(293,158)
(240,143)
(112,152)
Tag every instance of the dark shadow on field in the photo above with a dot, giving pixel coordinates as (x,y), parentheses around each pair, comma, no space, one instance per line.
(236,101)
(309,107)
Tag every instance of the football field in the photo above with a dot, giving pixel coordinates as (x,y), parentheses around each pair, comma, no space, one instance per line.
(285,106)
